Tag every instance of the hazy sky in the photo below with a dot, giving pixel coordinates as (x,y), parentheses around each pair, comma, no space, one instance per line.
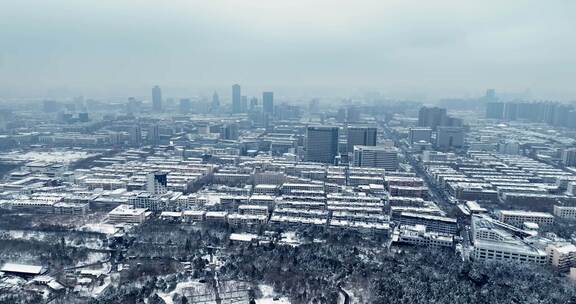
(426,48)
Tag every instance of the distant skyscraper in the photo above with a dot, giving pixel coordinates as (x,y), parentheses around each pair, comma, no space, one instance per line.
(450,137)
(83,117)
(136,136)
(431,117)
(154,135)
(253,104)
(51,106)
(321,144)
(490,95)
(495,110)
(314,106)
(185,105)
(353,114)
(236,99)
(341,115)
(156,99)
(376,157)
(244,104)
(419,134)
(268,102)
(360,136)
(215,105)
(229,132)
(511,111)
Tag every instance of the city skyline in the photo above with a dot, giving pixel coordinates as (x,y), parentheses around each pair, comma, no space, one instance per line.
(403,49)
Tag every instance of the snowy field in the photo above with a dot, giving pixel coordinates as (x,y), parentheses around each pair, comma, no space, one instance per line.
(270,297)
(47,156)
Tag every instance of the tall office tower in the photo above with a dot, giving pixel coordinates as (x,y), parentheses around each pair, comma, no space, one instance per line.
(51,106)
(561,115)
(314,106)
(185,105)
(376,157)
(268,102)
(133,106)
(154,135)
(511,111)
(215,105)
(244,104)
(450,137)
(420,134)
(253,104)
(341,115)
(83,117)
(569,157)
(156,99)
(353,114)
(495,110)
(360,136)
(490,95)
(321,144)
(157,182)
(136,136)
(229,132)
(431,117)
(80,104)
(236,99)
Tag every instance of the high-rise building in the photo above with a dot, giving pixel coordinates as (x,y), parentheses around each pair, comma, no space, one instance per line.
(321,144)
(341,115)
(157,182)
(215,105)
(511,111)
(268,102)
(236,99)
(376,157)
(420,134)
(353,114)
(314,106)
(450,137)
(154,135)
(244,104)
(569,157)
(83,117)
(490,95)
(51,106)
(156,99)
(431,117)
(360,136)
(136,136)
(185,105)
(253,104)
(495,110)
(229,132)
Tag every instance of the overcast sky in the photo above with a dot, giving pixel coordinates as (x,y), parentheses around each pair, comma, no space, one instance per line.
(429,48)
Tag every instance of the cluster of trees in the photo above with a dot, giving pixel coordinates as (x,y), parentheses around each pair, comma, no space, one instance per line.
(312,273)
(54,253)
(157,238)
(8,296)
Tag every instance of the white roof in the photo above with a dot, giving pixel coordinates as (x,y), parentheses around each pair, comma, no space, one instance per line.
(244,237)
(21,268)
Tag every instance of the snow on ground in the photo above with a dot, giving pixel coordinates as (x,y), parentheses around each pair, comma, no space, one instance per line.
(25,235)
(180,288)
(29,235)
(290,238)
(268,296)
(93,257)
(49,156)
(100,227)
